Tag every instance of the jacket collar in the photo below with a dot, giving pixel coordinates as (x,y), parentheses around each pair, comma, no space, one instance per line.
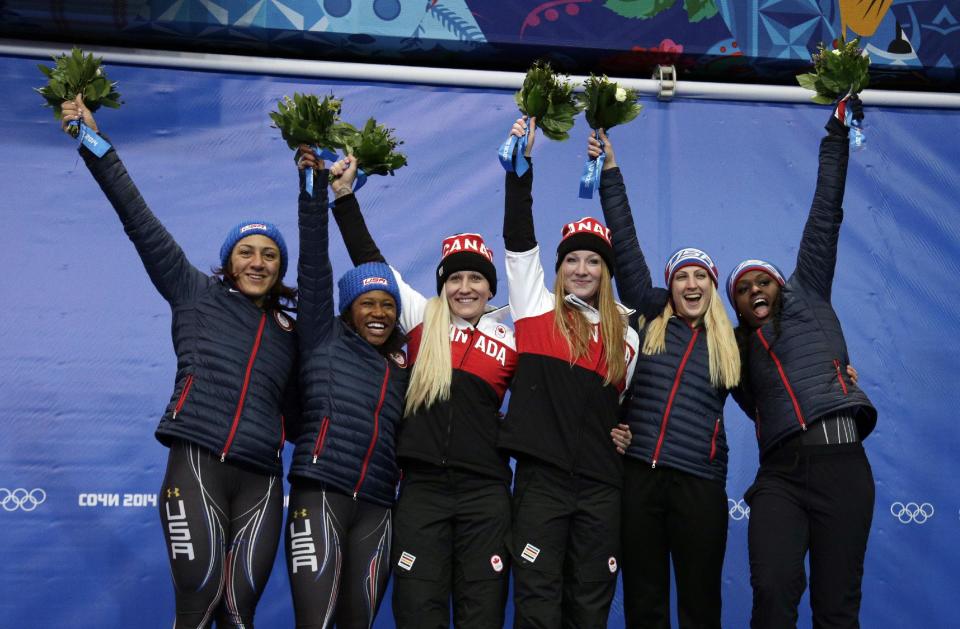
(592,313)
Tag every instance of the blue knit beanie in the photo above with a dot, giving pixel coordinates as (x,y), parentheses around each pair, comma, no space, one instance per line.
(365,278)
(751,265)
(250,228)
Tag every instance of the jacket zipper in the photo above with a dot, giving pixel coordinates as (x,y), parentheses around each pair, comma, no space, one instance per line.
(283,435)
(446,442)
(321,438)
(243,391)
(783,377)
(673,394)
(183,395)
(843,385)
(376,431)
(713,440)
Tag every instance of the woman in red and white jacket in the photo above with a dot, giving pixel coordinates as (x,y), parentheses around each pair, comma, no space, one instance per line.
(453,513)
(576,356)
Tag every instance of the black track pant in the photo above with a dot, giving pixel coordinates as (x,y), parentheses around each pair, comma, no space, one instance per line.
(449,538)
(337,552)
(566,547)
(222,527)
(669,514)
(817,499)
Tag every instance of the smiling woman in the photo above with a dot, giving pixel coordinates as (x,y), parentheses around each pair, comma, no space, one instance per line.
(814,490)
(577,356)
(344,472)
(453,512)
(224,431)
(254,264)
(675,502)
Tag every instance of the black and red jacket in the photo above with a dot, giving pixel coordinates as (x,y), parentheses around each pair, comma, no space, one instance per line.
(460,431)
(795,366)
(352,394)
(559,413)
(675,413)
(236,364)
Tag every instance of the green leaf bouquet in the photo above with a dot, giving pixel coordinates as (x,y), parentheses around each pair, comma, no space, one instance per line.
(606,104)
(75,73)
(838,72)
(549,97)
(305,119)
(374,147)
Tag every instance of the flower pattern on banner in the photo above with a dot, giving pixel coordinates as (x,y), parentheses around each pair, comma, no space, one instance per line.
(909,41)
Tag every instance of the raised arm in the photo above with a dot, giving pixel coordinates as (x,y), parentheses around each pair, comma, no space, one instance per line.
(357,238)
(518,231)
(817,256)
(346,209)
(315,314)
(634,283)
(528,293)
(166,264)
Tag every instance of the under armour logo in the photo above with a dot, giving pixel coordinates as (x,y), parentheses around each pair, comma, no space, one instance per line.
(173,492)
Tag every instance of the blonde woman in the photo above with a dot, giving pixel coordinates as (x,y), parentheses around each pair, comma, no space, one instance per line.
(453,512)
(576,356)
(675,472)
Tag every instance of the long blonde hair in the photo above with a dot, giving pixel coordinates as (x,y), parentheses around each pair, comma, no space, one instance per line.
(576,330)
(433,369)
(721,342)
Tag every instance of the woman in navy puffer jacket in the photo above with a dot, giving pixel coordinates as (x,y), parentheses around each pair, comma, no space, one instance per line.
(344,473)
(675,469)
(221,503)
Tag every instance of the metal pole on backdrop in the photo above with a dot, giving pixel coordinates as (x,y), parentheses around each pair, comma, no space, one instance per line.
(454,77)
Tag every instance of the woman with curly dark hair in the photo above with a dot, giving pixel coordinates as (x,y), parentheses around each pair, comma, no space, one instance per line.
(221,502)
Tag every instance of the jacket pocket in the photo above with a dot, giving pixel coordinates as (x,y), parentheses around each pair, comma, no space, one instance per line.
(843,385)
(321,438)
(182,399)
(713,440)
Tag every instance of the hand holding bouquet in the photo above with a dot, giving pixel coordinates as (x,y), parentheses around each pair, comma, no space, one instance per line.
(75,75)
(837,73)
(305,119)
(606,104)
(547,97)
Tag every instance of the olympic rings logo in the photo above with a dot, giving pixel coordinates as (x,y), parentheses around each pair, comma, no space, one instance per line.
(22,499)
(738,509)
(911,512)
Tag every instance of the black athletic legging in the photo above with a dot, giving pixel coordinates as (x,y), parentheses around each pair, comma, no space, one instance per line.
(222,527)
(338,553)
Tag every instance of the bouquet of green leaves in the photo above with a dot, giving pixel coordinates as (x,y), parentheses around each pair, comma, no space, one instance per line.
(76,73)
(548,96)
(305,119)
(606,104)
(837,73)
(374,148)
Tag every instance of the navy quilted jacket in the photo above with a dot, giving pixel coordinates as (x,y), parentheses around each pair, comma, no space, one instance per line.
(352,395)
(674,412)
(236,363)
(795,372)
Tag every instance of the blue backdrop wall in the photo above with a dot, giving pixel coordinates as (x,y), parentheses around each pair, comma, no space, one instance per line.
(87,364)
